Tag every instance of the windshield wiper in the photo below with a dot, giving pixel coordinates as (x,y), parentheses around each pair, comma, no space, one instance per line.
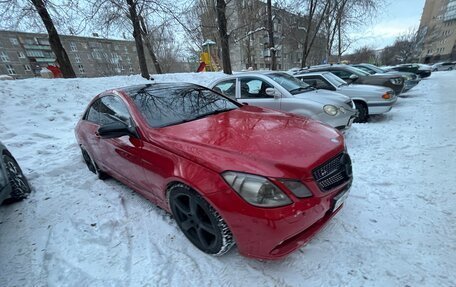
(210,114)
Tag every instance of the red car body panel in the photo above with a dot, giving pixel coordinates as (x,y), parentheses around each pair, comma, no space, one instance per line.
(250,140)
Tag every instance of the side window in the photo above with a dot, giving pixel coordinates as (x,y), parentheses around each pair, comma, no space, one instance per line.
(228,88)
(113,109)
(252,88)
(92,114)
(318,83)
(341,74)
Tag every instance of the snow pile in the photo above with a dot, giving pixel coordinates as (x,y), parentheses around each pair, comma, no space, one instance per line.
(397,228)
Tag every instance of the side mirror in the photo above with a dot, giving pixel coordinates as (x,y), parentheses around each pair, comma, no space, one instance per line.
(115,130)
(273,92)
(353,77)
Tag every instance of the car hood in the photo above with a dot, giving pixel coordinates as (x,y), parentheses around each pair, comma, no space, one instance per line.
(253,140)
(324,97)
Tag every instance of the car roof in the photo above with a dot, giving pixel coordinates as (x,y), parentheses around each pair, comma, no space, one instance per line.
(129,90)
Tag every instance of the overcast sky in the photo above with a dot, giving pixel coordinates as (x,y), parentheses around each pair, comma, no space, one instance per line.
(395,18)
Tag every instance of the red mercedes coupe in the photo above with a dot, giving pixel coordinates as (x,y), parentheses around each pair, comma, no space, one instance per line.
(230,174)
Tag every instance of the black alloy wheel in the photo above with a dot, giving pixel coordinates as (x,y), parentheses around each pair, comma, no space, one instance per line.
(20,187)
(199,222)
(363,113)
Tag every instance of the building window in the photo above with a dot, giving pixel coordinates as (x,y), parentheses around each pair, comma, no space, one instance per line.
(77,58)
(20,54)
(14,41)
(27,68)
(4,57)
(34,53)
(81,69)
(10,69)
(116,47)
(130,68)
(126,49)
(73,47)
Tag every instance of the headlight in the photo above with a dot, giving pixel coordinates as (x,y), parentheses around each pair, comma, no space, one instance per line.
(396,81)
(330,110)
(295,186)
(256,190)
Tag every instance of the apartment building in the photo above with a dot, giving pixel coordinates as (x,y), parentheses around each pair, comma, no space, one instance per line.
(23,55)
(437,31)
(247,22)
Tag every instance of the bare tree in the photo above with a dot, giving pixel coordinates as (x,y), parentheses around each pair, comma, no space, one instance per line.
(148,40)
(132,8)
(271,47)
(224,37)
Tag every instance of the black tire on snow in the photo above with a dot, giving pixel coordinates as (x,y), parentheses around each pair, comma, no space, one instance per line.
(199,221)
(20,187)
(92,165)
(363,113)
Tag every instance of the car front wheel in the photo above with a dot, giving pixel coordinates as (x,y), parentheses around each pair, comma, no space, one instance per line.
(363,113)
(20,187)
(199,221)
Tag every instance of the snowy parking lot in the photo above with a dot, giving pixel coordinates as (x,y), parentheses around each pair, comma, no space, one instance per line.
(398,226)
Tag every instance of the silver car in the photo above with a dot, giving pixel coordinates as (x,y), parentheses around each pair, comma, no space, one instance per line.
(281,91)
(368,99)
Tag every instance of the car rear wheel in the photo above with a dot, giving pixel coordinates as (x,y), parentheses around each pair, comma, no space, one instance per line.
(20,187)
(199,221)
(92,166)
(363,113)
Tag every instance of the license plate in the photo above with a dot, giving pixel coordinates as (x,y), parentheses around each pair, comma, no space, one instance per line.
(340,198)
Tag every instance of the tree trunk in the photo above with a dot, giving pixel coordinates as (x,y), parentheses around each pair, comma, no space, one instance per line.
(138,39)
(224,37)
(54,40)
(271,47)
(150,48)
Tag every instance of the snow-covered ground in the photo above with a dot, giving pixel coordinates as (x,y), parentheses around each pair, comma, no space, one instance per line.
(398,227)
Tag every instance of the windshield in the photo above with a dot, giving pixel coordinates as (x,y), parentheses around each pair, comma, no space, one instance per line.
(290,83)
(357,71)
(166,106)
(334,80)
(375,68)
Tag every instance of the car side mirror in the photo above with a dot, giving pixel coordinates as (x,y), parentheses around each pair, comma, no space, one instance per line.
(273,92)
(353,77)
(116,129)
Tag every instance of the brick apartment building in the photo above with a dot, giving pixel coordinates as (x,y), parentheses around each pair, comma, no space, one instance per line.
(23,55)
(437,32)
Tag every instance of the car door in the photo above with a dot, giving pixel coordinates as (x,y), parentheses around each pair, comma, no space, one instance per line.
(227,88)
(121,156)
(253,91)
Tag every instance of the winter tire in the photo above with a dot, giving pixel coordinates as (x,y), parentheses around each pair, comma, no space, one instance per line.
(363,113)
(20,187)
(199,221)
(92,166)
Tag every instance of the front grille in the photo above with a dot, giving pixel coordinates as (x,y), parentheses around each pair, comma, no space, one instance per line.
(334,172)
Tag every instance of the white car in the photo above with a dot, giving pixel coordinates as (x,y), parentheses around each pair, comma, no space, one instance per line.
(368,99)
(443,66)
(281,91)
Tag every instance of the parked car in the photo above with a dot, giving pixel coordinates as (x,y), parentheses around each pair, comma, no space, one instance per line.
(410,79)
(353,75)
(281,91)
(368,99)
(229,173)
(443,66)
(421,70)
(13,184)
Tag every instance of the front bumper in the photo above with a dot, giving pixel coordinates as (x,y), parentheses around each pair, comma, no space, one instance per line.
(409,84)
(341,121)
(273,233)
(382,107)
